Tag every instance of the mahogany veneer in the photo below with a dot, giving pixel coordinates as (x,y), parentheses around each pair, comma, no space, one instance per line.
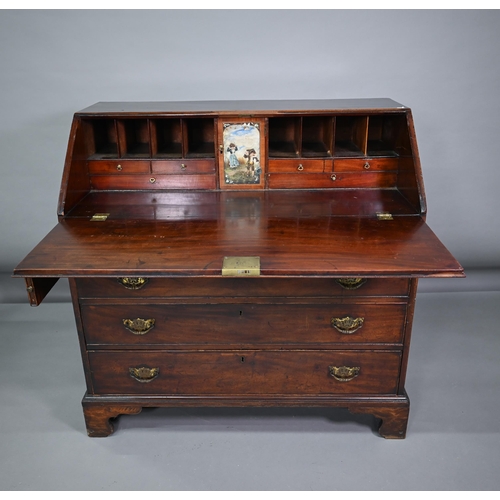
(328,194)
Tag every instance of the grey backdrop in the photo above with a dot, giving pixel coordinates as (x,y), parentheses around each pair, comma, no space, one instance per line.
(442,64)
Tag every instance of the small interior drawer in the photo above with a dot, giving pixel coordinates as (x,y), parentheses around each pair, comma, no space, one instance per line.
(333,180)
(119,166)
(296,165)
(368,164)
(183,166)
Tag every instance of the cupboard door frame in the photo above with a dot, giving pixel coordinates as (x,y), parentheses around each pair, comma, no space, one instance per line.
(255,170)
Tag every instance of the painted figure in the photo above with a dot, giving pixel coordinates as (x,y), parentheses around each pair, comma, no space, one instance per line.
(233,161)
(252,159)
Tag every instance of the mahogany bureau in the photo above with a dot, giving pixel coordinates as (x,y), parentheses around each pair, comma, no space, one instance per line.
(253,253)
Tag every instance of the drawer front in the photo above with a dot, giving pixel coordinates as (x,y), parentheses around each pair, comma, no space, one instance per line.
(183,166)
(296,166)
(118,166)
(218,325)
(245,372)
(241,287)
(151,182)
(366,165)
(333,180)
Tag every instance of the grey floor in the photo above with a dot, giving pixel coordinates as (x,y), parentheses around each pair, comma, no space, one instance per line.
(453,440)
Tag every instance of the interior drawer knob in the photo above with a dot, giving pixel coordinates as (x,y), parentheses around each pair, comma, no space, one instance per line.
(133,283)
(344,373)
(366,166)
(143,373)
(347,325)
(351,283)
(300,167)
(139,326)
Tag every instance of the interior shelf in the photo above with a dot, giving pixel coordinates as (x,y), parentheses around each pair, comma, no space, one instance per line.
(384,136)
(351,136)
(284,137)
(317,136)
(166,138)
(104,139)
(199,135)
(134,138)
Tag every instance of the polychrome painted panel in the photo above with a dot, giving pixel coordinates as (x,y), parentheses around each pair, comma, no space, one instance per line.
(242,153)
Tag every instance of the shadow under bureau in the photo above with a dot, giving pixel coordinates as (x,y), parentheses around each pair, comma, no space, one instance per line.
(251,253)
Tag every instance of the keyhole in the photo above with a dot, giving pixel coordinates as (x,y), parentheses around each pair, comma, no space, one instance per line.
(241,313)
(242,359)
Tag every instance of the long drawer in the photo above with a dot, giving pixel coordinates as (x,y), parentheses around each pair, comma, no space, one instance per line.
(244,372)
(248,324)
(240,287)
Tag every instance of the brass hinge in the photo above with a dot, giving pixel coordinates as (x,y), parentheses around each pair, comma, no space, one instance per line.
(99,217)
(241,266)
(384,216)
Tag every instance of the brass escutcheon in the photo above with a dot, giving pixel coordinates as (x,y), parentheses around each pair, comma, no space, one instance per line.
(344,373)
(351,283)
(133,283)
(347,325)
(139,326)
(143,373)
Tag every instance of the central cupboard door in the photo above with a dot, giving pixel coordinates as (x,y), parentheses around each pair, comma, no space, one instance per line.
(242,153)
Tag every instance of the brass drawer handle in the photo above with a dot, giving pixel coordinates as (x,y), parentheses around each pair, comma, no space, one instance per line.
(351,283)
(133,283)
(119,168)
(144,374)
(183,166)
(139,326)
(366,166)
(152,180)
(347,325)
(344,373)
(333,177)
(300,167)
